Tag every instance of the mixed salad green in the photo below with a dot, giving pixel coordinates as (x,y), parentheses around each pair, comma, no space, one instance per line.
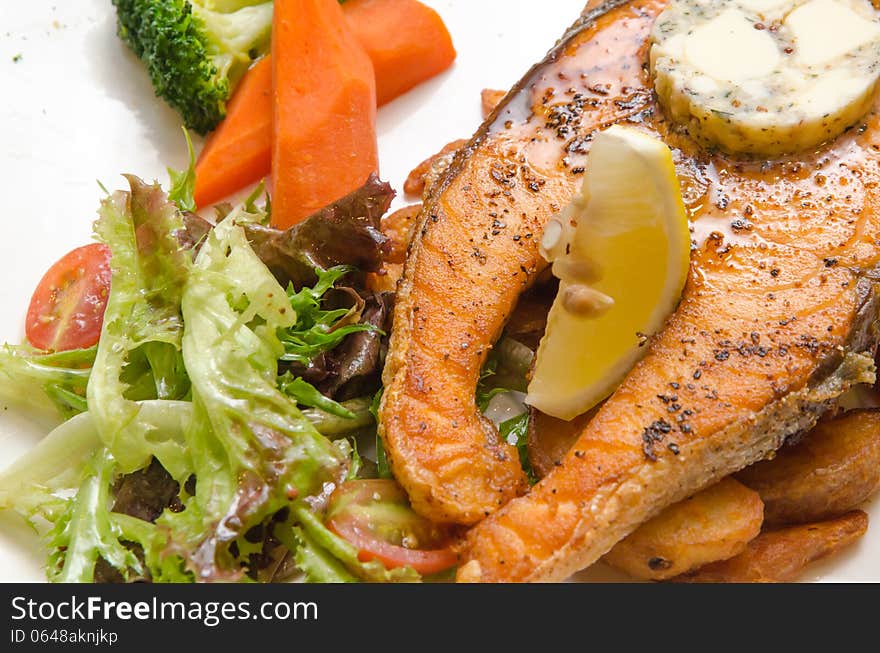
(216,420)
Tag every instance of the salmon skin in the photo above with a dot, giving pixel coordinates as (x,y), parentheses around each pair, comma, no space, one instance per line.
(777,320)
(474,253)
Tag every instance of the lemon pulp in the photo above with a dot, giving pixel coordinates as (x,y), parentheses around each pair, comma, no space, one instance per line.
(621,250)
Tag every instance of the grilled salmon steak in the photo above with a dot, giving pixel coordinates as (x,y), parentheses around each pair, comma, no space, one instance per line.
(778,319)
(477,249)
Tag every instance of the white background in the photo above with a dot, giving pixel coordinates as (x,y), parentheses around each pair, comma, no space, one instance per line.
(78,107)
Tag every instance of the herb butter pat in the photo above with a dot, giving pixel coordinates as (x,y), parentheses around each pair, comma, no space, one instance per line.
(766,77)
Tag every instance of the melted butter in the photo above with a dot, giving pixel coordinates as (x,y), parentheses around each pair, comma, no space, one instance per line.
(719,228)
(823,201)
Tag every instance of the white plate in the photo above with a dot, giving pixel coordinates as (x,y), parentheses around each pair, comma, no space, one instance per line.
(78,107)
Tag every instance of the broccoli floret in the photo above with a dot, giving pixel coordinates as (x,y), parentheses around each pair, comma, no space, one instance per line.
(196,50)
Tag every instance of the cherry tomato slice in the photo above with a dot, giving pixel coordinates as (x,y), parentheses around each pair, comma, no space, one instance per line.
(374,515)
(67,308)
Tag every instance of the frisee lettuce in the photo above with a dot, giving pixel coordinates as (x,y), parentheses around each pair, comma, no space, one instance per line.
(252,448)
(47,380)
(316,329)
(186,374)
(54,466)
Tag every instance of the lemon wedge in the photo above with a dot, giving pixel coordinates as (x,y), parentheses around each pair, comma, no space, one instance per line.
(621,250)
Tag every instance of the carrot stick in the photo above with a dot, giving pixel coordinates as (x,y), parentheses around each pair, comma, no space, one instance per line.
(406,40)
(407,43)
(324,102)
(239,152)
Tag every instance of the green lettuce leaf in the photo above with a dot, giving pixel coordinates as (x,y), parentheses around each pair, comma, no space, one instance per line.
(316,562)
(332,426)
(143,326)
(506,369)
(36,484)
(382,464)
(86,533)
(53,382)
(305,394)
(324,544)
(183,182)
(515,432)
(62,487)
(345,235)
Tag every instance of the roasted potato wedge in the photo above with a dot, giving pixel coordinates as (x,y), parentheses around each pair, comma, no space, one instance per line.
(781,555)
(398,227)
(832,470)
(715,524)
(385,280)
